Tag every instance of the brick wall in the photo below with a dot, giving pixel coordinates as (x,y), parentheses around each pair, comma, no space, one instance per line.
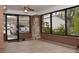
(62,39)
(1,28)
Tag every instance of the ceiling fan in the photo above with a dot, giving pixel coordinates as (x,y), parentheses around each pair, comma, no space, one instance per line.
(27,8)
(24,8)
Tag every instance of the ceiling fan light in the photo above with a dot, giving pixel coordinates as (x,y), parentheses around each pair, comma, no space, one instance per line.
(25,11)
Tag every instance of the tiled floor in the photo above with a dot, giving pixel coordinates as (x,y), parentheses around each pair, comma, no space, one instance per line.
(36,46)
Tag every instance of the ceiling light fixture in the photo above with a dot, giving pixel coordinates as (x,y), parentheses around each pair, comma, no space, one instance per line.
(25,11)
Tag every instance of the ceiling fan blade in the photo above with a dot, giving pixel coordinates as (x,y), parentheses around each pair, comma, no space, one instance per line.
(28,8)
(31,9)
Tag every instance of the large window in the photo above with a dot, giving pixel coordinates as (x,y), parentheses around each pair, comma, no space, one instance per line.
(46,23)
(63,22)
(58,23)
(73,21)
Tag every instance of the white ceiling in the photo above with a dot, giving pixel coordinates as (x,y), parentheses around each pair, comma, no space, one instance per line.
(37,8)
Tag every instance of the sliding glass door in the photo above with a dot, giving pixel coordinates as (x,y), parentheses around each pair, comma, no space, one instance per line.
(16,27)
(12,29)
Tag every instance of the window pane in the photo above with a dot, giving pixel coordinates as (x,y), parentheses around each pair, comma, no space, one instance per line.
(73,21)
(11,27)
(46,23)
(23,24)
(58,23)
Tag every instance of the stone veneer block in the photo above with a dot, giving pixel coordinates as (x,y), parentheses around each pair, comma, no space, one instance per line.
(36,27)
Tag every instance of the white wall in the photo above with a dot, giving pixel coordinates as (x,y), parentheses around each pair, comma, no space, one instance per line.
(54,8)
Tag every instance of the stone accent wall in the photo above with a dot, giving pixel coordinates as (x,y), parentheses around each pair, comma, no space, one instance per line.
(35,27)
(1,28)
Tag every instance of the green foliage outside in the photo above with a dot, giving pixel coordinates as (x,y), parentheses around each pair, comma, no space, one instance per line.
(47,28)
(76,22)
(59,30)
